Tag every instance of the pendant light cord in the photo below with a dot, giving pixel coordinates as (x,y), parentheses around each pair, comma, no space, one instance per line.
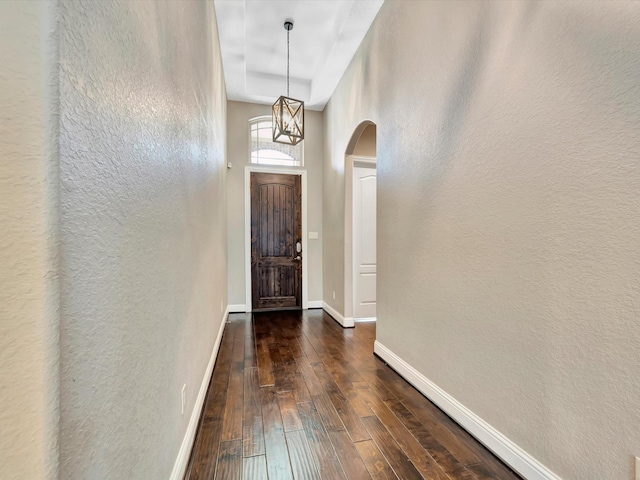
(287,63)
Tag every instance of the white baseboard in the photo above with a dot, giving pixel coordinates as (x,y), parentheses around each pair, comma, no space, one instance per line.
(243,308)
(367,319)
(509,452)
(180,466)
(237,308)
(346,322)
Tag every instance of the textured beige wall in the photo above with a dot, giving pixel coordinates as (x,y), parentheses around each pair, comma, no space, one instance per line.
(143,229)
(366,144)
(28,249)
(509,198)
(238,116)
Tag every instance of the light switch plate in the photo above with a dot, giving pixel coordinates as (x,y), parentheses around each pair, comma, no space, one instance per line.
(313,235)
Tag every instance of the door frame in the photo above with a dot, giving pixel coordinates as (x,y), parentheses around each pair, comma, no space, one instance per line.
(370,163)
(349,257)
(248,169)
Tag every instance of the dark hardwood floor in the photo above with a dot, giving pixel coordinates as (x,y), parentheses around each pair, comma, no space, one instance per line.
(295,396)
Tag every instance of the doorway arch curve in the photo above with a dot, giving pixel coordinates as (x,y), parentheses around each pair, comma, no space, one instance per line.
(355,136)
(361,151)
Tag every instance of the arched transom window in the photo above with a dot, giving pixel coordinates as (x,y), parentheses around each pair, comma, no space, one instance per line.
(264,151)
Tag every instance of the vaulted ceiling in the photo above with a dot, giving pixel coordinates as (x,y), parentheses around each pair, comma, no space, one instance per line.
(325,36)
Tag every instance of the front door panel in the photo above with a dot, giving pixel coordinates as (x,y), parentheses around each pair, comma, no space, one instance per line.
(276,228)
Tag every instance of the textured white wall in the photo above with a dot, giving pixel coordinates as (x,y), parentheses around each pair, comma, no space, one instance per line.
(238,116)
(28,208)
(509,198)
(143,236)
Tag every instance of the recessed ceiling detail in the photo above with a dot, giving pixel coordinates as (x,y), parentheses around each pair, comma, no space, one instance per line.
(254,52)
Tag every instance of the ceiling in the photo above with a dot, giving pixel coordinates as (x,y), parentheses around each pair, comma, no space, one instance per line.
(325,36)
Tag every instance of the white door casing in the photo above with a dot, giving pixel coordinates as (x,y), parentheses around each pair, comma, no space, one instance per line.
(364,242)
(247,228)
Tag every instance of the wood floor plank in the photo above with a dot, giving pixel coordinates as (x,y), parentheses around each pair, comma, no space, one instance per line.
(309,352)
(342,374)
(330,418)
(491,467)
(252,430)
(295,347)
(350,391)
(347,378)
(400,463)
(289,412)
(205,447)
(282,382)
(303,462)
(294,395)
(347,415)
(415,402)
(441,455)
(420,458)
(377,384)
(313,385)
(254,468)
(300,390)
(349,457)
(262,340)
(250,354)
(278,463)
(229,461)
(207,441)
(391,387)
(291,377)
(232,424)
(285,352)
(378,467)
(328,464)
(481,472)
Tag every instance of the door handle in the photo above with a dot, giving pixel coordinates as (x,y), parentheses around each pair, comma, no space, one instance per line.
(298,258)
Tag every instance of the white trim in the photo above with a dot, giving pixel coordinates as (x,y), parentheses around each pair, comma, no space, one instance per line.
(364,161)
(180,465)
(348,273)
(346,322)
(368,163)
(314,304)
(350,162)
(237,308)
(247,227)
(363,320)
(498,443)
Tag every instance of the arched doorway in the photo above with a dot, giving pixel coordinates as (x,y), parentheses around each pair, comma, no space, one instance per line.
(360,224)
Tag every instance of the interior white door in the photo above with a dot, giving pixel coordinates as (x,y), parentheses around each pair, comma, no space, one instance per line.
(364,242)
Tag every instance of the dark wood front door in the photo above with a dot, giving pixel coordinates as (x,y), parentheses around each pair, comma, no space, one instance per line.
(276,241)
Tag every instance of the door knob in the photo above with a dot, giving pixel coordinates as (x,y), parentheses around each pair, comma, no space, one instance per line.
(298,258)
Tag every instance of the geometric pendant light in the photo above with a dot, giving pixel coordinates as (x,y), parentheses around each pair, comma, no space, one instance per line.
(288,113)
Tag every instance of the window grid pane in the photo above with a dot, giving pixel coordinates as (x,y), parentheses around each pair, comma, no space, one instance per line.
(266,152)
